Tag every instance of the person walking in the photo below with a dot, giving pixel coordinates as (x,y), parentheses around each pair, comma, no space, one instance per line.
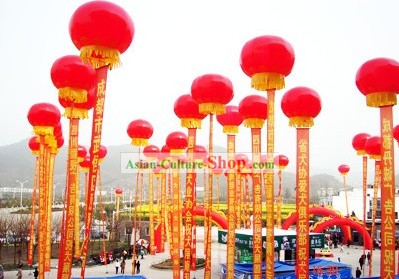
(368,258)
(361,262)
(358,272)
(341,247)
(137,266)
(117,265)
(19,273)
(123,265)
(36,273)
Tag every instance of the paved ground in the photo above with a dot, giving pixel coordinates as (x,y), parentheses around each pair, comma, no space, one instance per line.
(349,256)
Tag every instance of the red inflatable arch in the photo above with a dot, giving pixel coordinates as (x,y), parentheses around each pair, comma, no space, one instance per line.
(217,218)
(319,210)
(350,223)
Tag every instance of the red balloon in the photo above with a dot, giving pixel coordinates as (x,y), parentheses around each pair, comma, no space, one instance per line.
(60,141)
(86,163)
(140,131)
(70,71)
(87,105)
(267,54)
(343,169)
(359,142)
(281,161)
(301,105)
(253,106)
(44,115)
(102,152)
(34,144)
(241,161)
(103,27)
(185,107)
(118,191)
(58,130)
(373,147)
(230,120)
(82,151)
(212,92)
(200,153)
(177,141)
(151,151)
(395,133)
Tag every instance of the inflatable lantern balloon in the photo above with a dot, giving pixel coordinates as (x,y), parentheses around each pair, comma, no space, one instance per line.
(187,109)
(344,169)
(230,120)
(82,152)
(72,78)
(395,133)
(177,142)
(280,161)
(151,152)
(301,105)
(34,145)
(253,109)
(140,131)
(118,194)
(44,117)
(101,30)
(373,149)
(378,80)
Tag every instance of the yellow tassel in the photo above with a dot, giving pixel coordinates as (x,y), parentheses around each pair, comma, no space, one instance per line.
(50,141)
(75,113)
(301,122)
(176,152)
(54,150)
(212,108)
(139,142)
(375,157)
(36,152)
(254,122)
(43,130)
(99,56)
(381,99)
(77,96)
(230,129)
(191,123)
(281,167)
(266,81)
(85,169)
(361,152)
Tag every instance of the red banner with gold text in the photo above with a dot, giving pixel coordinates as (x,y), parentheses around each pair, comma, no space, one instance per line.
(231,200)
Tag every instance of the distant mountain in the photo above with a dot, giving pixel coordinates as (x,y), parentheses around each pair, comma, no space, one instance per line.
(17,163)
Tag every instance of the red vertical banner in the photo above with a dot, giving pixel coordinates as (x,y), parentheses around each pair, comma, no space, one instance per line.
(65,264)
(42,208)
(238,199)
(257,205)
(151,197)
(269,186)
(163,211)
(189,204)
(32,215)
(175,223)
(377,182)
(77,218)
(231,205)
(278,223)
(364,188)
(50,180)
(302,204)
(247,200)
(96,132)
(387,194)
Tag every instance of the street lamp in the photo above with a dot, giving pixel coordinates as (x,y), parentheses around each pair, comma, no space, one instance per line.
(22,186)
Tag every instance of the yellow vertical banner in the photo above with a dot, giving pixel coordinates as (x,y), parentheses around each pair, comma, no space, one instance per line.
(238,198)
(302,204)
(278,223)
(175,223)
(387,194)
(231,205)
(256,205)
(49,195)
(163,211)
(65,262)
(32,215)
(189,204)
(77,219)
(151,198)
(377,182)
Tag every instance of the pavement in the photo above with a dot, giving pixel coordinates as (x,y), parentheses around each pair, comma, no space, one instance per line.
(349,256)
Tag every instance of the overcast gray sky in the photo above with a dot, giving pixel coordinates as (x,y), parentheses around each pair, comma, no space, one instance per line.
(176,41)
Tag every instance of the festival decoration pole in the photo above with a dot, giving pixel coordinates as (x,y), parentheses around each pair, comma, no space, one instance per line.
(395,134)
(82,152)
(177,143)
(118,194)
(99,47)
(34,146)
(253,110)
(74,80)
(281,162)
(372,147)
(187,109)
(268,60)
(140,131)
(230,121)
(301,105)
(151,152)
(43,117)
(212,92)
(343,170)
(378,80)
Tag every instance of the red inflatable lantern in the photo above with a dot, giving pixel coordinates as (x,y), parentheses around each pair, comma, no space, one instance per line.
(200,153)
(140,131)
(301,105)
(82,152)
(102,152)
(281,161)
(267,60)
(343,169)
(72,78)
(359,142)
(44,117)
(212,92)
(187,109)
(34,145)
(151,152)
(85,164)
(373,147)
(101,30)
(395,133)
(60,141)
(118,191)
(378,80)
(79,110)
(230,120)
(176,142)
(253,110)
